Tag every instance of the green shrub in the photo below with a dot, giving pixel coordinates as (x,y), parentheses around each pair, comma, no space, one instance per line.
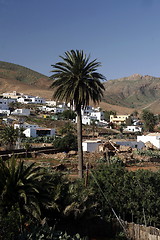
(66,143)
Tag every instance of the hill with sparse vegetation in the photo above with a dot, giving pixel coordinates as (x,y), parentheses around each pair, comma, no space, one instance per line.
(122,95)
(14,77)
(135,91)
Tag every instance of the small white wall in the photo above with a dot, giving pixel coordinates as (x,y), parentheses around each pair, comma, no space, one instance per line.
(24,125)
(32,132)
(27,132)
(132,144)
(51,103)
(133,129)
(21,112)
(90,146)
(98,115)
(4,111)
(4,104)
(87,119)
(30,99)
(155,140)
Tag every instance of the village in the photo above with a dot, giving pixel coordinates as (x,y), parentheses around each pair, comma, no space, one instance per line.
(41,121)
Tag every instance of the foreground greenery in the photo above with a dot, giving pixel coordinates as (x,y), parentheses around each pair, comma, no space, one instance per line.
(38,203)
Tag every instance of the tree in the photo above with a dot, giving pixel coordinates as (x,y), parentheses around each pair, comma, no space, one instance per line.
(94,125)
(25,189)
(107,115)
(9,136)
(149,120)
(68,128)
(77,81)
(69,114)
(66,143)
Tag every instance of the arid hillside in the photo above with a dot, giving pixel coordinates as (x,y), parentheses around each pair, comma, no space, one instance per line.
(122,95)
(18,78)
(136,91)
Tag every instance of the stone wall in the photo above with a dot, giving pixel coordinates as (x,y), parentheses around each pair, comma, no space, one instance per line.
(140,232)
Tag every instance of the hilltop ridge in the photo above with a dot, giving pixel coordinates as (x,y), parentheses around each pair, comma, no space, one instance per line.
(122,95)
(135,91)
(14,77)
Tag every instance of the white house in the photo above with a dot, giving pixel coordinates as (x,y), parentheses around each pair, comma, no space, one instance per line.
(52,109)
(25,125)
(21,112)
(39,132)
(98,115)
(5,112)
(130,143)
(47,109)
(91,145)
(25,99)
(51,103)
(87,110)
(58,109)
(4,104)
(153,138)
(133,129)
(13,95)
(87,120)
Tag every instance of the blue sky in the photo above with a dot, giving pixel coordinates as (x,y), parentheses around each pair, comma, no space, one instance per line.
(124,35)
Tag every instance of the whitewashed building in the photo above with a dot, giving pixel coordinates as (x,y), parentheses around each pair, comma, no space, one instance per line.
(25,99)
(39,132)
(51,103)
(58,109)
(4,103)
(87,120)
(130,143)
(87,110)
(12,95)
(47,109)
(21,112)
(98,115)
(91,145)
(5,112)
(153,138)
(25,125)
(133,129)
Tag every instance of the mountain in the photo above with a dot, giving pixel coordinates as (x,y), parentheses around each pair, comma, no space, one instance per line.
(122,95)
(14,77)
(136,91)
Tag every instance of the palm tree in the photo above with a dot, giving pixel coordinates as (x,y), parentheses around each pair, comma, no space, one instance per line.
(9,136)
(25,188)
(76,81)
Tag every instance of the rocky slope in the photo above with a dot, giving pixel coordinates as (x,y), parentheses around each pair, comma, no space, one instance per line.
(122,95)
(135,91)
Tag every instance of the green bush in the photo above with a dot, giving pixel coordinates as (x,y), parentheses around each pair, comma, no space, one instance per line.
(149,153)
(66,143)
(44,232)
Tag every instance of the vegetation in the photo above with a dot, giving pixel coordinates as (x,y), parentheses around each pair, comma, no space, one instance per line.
(149,120)
(68,115)
(9,136)
(129,194)
(22,189)
(35,202)
(107,115)
(66,143)
(45,139)
(132,92)
(10,70)
(67,128)
(77,81)
(150,153)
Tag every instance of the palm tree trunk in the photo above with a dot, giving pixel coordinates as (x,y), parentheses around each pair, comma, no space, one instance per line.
(79,139)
